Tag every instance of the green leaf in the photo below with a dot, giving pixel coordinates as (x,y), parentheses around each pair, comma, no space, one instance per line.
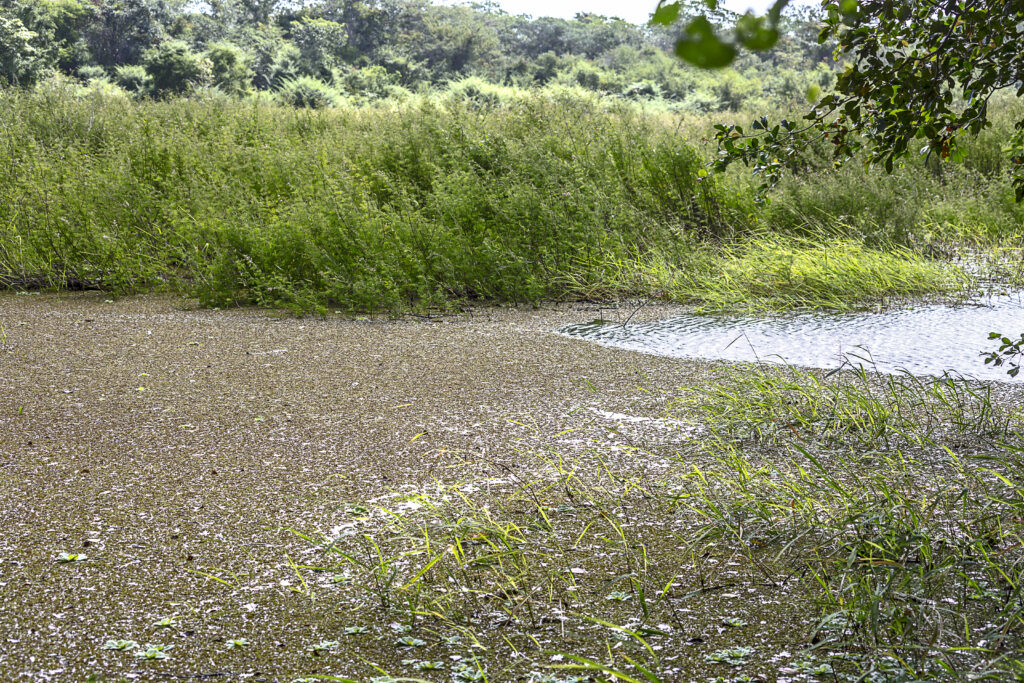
(775,11)
(666,13)
(756,33)
(701,47)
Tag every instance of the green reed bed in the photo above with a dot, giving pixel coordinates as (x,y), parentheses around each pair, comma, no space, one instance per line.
(439,200)
(372,208)
(775,274)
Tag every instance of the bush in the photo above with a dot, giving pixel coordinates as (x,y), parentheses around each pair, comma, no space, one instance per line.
(229,68)
(91,72)
(174,69)
(132,78)
(370,81)
(308,92)
(478,92)
(643,89)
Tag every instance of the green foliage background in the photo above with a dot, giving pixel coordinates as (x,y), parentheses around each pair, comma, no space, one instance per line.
(369,50)
(364,208)
(393,156)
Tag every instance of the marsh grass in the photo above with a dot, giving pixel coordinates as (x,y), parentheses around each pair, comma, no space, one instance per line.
(774,274)
(872,525)
(385,207)
(901,498)
(435,200)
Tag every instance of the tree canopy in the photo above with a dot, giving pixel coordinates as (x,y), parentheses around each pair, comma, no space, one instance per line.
(369,49)
(915,77)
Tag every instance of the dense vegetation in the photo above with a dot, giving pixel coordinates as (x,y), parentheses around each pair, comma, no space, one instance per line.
(916,77)
(317,53)
(445,198)
(395,155)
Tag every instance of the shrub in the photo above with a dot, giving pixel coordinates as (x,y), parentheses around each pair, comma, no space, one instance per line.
(174,69)
(308,92)
(642,89)
(132,78)
(91,72)
(229,69)
(478,92)
(370,81)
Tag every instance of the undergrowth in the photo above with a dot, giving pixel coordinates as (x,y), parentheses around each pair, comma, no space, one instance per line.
(849,527)
(432,201)
(381,208)
(774,274)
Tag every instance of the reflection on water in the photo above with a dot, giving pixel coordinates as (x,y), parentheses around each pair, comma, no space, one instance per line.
(924,340)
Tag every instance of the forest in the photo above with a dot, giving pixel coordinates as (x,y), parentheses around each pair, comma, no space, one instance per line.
(334,53)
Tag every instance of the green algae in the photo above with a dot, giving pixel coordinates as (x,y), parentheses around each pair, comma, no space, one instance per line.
(468,498)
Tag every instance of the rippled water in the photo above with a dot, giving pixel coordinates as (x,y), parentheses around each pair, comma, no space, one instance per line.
(927,339)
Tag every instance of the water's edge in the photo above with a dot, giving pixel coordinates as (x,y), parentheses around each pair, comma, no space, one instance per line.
(926,339)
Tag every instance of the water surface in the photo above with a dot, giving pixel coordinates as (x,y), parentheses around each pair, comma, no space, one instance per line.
(926,339)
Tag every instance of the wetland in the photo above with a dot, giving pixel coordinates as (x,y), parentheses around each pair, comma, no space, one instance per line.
(297,385)
(199,494)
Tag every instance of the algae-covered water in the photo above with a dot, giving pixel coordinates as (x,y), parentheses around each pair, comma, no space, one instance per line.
(177,477)
(925,339)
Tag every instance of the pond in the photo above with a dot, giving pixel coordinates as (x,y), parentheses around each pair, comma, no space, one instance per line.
(924,339)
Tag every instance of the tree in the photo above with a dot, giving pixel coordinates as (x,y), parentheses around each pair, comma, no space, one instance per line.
(450,39)
(59,26)
(174,69)
(919,75)
(125,29)
(321,44)
(370,24)
(229,68)
(19,59)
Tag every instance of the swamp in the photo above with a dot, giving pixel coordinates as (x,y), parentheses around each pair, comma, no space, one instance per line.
(388,341)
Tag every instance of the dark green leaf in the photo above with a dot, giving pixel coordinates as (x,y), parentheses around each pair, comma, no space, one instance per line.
(701,47)
(666,13)
(755,33)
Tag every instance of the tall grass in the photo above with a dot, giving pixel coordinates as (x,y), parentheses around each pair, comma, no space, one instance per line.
(924,203)
(900,497)
(773,274)
(477,192)
(377,207)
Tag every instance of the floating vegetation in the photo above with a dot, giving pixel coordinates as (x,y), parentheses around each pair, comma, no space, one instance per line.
(324,646)
(409,641)
(423,664)
(747,522)
(69,558)
(733,656)
(154,652)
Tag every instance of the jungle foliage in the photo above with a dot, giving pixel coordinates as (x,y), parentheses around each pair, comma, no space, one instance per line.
(331,50)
